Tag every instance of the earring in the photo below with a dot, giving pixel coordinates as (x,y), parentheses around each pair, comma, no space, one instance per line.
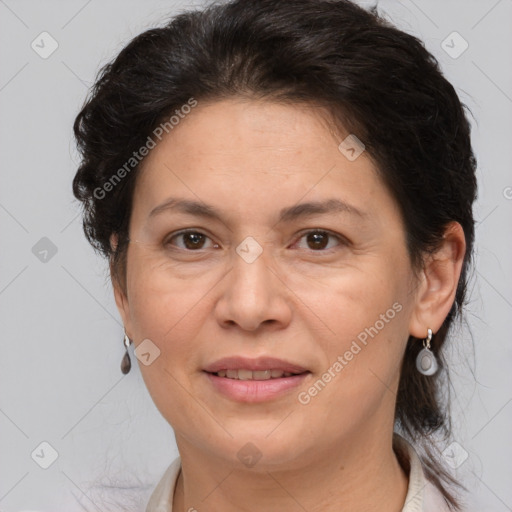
(126,363)
(426,361)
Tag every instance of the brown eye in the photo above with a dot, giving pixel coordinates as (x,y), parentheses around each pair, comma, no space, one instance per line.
(193,240)
(320,240)
(189,240)
(317,240)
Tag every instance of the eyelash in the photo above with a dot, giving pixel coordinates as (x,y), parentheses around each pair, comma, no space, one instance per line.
(342,241)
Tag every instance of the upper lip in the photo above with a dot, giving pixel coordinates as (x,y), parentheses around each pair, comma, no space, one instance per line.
(260,363)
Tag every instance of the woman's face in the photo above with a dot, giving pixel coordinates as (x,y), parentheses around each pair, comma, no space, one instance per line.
(295,262)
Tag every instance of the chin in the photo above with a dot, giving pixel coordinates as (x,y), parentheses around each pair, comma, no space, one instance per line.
(264,449)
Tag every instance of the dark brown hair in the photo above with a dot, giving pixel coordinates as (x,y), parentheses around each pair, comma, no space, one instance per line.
(377,81)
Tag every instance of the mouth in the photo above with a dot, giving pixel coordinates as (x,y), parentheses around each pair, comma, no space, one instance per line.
(244,374)
(254,380)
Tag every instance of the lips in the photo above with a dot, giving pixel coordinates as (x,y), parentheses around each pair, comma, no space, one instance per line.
(254,380)
(245,374)
(261,364)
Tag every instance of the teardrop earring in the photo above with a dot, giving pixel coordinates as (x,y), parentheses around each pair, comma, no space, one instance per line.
(126,363)
(426,362)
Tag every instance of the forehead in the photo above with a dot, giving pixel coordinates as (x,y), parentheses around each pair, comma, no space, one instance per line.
(239,153)
(248,129)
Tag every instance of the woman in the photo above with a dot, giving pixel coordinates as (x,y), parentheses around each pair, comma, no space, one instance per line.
(284,192)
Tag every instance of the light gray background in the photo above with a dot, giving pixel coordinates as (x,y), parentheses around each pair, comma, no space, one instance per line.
(61,336)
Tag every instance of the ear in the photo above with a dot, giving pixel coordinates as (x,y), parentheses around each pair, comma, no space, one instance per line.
(120,292)
(438,282)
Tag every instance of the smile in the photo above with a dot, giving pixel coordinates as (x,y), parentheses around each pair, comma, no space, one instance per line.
(254,375)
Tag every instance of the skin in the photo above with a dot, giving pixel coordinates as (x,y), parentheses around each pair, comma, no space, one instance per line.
(296,301)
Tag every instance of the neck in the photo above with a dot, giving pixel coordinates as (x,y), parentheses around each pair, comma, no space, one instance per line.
(351,476)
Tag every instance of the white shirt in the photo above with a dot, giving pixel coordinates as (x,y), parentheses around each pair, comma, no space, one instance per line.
(422,495)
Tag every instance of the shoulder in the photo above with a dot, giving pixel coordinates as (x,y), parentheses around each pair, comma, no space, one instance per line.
(433,500)
(161,498)
(422,495)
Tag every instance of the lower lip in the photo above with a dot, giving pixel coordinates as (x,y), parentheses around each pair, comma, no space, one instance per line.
(255,390)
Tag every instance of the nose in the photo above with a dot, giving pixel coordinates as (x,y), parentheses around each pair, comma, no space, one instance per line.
(254,295)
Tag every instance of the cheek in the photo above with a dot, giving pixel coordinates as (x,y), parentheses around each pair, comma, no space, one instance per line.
(170,312)
(367,312)
(363,358)
(165,308)
(347,301)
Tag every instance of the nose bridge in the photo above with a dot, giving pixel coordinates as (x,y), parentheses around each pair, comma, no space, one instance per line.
(252,273)
(253,294)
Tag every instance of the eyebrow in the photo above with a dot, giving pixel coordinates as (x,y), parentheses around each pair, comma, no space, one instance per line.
(288,214)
